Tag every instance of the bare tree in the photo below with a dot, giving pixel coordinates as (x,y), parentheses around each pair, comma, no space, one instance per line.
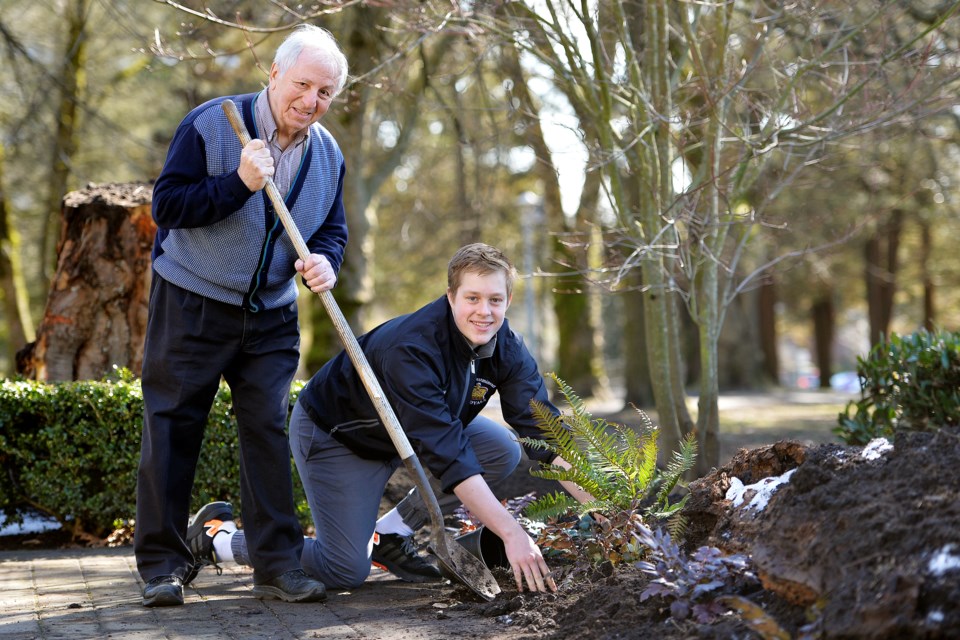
(685,105)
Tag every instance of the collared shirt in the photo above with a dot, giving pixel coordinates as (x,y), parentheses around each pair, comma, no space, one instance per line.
(286,162)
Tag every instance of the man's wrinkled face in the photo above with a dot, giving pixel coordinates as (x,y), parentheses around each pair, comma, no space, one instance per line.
(479,305)
(300,96)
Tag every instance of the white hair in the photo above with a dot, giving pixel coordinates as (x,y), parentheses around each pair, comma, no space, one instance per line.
(308,36)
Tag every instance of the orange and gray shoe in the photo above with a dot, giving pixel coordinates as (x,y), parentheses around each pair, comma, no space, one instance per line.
(398,555)
(204,525)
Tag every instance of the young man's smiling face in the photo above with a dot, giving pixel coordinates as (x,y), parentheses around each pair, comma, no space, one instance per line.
(479,305)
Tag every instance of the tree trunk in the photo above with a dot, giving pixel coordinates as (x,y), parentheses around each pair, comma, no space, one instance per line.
(579,336)
(96,313)
(368,166)
(578,353)
(767,321)
(72,83)
(636,371)
(823,331)
(926,249)
(13,290)
(355,283)
(652,188)
(881,274)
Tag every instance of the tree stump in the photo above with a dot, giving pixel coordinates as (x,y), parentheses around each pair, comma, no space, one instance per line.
(96,313)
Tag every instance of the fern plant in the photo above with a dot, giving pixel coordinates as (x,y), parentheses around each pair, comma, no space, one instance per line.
(615,464)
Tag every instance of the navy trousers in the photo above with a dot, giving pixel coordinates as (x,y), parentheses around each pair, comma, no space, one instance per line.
(191,342)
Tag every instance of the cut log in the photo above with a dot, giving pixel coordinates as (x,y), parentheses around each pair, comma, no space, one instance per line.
(96,312)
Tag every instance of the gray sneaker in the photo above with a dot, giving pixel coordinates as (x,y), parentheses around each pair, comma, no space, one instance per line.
(292,586)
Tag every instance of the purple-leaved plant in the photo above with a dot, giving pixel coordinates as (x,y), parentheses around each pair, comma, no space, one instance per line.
(691,585)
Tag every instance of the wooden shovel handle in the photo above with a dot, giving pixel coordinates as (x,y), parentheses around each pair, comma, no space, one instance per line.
(344,331)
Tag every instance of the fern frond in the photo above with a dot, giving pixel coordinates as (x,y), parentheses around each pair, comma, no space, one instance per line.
(680,462)
(615,464)
(644,460)
(677,526)
(576,404)
(550,505)
(557,437)
(645,419)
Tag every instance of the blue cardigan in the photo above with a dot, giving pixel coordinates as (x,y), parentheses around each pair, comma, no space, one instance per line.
(220,240)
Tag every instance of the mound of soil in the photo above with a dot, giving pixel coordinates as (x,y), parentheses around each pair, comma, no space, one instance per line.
(845,542)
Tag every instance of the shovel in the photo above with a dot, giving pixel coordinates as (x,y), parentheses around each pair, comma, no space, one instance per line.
(455,561)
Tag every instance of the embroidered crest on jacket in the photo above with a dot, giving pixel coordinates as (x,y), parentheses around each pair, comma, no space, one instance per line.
(479,393)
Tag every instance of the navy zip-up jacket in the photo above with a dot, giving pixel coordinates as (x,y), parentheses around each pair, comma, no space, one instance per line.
(436,383)
(220,240)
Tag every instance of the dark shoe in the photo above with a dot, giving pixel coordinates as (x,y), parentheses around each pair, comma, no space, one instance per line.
(163,591)
(398,555)
(203,526)
(292,586)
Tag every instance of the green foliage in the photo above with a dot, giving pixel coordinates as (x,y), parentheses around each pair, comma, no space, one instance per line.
(72,450)
(615,464)
(909,383)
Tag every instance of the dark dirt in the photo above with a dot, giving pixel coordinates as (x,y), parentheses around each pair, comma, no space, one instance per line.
(849,547)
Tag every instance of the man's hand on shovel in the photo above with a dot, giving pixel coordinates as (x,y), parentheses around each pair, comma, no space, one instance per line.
(317,273)
(256,165)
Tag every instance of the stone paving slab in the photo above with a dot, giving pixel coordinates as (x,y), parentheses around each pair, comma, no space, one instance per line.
(96,593)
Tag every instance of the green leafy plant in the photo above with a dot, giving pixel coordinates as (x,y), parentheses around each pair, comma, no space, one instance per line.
(71,450)
(614,463)
(910,382)
(617,466)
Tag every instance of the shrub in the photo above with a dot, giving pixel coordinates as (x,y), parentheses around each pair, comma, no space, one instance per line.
(71,450)
(910,383)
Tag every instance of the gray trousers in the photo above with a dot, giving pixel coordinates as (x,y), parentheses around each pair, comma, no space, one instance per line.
(344,492)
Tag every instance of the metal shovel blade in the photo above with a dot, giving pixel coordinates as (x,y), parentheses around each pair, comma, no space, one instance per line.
(456,563)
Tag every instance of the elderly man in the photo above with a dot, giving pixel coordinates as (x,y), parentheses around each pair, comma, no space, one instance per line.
(223,303)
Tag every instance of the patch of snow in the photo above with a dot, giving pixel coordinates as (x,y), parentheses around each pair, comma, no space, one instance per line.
(935,617)
(763,490)
(943,561)
(876,448)
(32,523)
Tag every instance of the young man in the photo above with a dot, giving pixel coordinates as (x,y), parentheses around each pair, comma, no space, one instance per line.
(438,366)
(223,303)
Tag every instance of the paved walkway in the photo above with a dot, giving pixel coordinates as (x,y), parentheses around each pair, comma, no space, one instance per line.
(95,593)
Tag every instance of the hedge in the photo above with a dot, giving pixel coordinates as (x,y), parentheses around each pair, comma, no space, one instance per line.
(71,450)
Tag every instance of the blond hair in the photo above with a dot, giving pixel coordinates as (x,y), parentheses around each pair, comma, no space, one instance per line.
(482,259)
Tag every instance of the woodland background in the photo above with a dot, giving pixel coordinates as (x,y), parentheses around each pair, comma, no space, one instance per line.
(700,196)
